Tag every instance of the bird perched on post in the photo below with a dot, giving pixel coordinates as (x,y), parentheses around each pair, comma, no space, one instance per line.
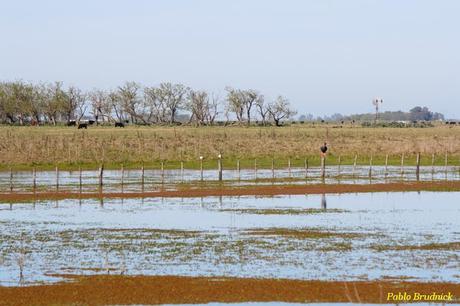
(323,149)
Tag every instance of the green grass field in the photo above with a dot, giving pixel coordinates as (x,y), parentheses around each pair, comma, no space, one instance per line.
(69,148)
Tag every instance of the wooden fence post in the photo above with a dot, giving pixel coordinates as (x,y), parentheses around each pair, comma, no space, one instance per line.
(305,163)
(255,169)
(370,167)
(417,169)
(57,178)
(101,175)
(386,165)
(201,167)
(289,166)
(323,167)
(402,164)
(142,176)
(122,177)
(354,165)
(432,163)
(162,171)
(446,163)
(11,179)
(34,175)
(182,170)
(219,166)
(238,168)
(273,168)
(79,178)
(339,164)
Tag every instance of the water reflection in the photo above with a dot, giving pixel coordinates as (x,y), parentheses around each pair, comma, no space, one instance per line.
(323,201)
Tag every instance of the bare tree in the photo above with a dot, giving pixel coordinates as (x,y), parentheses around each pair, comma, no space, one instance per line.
(129,99)
(173,97)
(75,103)
(197,104)
(262,109)
(55,102)
(249,97)
(100,105)
(235,103)
(213,111)
(280,109)
(155,106)
(241,102)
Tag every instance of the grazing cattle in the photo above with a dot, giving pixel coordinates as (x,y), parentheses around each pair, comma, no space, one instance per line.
(91,122)
(82,125)
(71,123)
(119,124)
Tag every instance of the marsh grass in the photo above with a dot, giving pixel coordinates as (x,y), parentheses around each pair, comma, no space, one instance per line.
(448,246)
(46,147)
(301,233)
(282,211)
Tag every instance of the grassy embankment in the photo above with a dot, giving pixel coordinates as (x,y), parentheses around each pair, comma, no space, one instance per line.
(69,148)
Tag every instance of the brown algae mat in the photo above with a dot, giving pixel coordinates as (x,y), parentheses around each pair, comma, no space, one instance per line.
(113,290)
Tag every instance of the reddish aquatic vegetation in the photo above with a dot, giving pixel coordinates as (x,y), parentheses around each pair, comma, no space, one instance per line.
(242,191)
(104,290)
(301,233)
(448,246)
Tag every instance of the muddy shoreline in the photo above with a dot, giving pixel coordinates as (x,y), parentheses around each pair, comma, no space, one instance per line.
(241,191)
(103,290)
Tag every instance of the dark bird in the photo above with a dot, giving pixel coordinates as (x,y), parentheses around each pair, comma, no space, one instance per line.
(324,148)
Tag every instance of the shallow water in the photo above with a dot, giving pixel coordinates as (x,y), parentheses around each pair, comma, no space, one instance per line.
(168,180)
(414,236)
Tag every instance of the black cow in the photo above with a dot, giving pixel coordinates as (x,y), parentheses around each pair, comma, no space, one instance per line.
(91,122)
(119,124)
(82,125)
(71,123)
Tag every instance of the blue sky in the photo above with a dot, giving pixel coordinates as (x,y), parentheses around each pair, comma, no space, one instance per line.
(325,56)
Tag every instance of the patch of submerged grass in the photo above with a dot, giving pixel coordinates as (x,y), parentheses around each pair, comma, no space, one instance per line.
(337,247)
(154,231)
(449,246)
(281,211)
(300,233)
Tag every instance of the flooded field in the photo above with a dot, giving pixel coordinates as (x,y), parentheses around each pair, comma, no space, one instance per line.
(350,237)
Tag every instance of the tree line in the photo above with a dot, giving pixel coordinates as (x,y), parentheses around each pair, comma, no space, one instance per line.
(418,113)
(23,103)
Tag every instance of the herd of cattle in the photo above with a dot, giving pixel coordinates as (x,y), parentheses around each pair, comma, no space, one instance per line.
(85,124)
